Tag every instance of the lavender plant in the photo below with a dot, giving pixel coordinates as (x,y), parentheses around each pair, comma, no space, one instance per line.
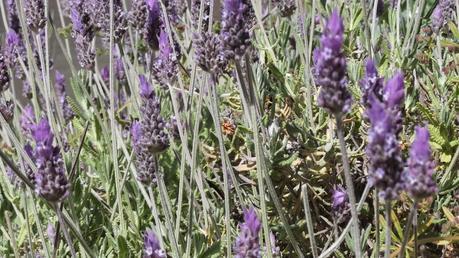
(133,136)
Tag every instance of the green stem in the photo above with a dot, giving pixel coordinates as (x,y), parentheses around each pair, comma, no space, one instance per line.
(408,225)
(388,229)
(64,229)
(376,212)
(349,186)
(307,212)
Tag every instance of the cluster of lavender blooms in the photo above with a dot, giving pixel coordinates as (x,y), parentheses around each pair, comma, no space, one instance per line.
(235,28)
(62,97)
(101,19)
(15,52)
(50,180)
(210,53)
(247,244)
(418,179)
(383,149)
(149,136)
(371,85)
(35,14)
(83,32)
(444,12)
(165,67)
(330,68)
(152,248)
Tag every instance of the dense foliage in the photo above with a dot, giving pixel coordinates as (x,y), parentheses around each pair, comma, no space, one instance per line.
(229,128)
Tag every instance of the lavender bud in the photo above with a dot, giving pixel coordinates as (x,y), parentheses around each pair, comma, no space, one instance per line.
(154,135)
(152,27)
(14,52)
(144,160)
(235,30)
(419,182)
(27,119)
(35,14)
(286,7)
(383,151)
(247,244)
(151,247)
(371,84)
(330,68)
(4,76)
(50,180)
(394,95)
(210,53)
(444,12)
(7,110)
(62,97)
(13,17)
(340,200)
(275,250)
(105,74)
(165,66)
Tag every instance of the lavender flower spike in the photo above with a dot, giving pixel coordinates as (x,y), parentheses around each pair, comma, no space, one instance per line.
(210,53)
(4,77)
(418,179)
(151,248)
(50,180)
(235,31)
(371,84)
(152,26)
(83,32)
(35,14)
(330,68)
(383,151)
(247,244)
(444,11)
(13,18)
(62,96)
(165,66)
(394,95)
(340,200)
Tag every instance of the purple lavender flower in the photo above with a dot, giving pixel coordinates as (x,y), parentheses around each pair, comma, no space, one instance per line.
(154,135)
(105,74)
(340,200)
(62,97)
(153,24)
(371,84)
(151,247)
(210,53)
(394,95)
(445,11)
(418,179)
(4,76)
(7,110)
(83,33)
(35,14)
(173,129)
(13,18)
(50,180)
(247,244)
(383,151)
(330,68)
(15,52)
(119,69)
(235,28)
(275,250)
(27,119)
(165,66)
